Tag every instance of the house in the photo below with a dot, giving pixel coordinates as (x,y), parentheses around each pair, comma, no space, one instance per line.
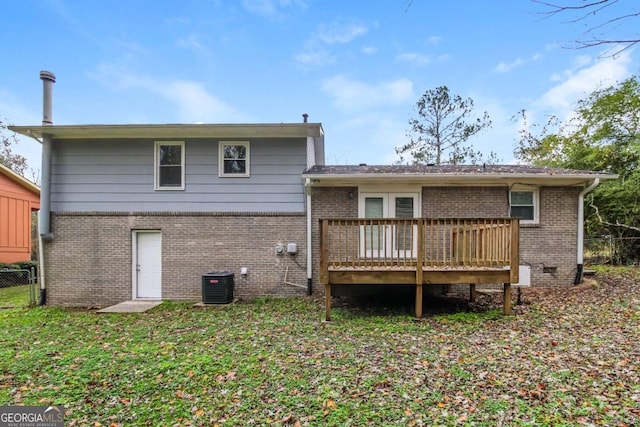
(19,197)
(143,211)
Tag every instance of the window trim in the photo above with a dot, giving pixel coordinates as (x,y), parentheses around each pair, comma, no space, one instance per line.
(221,172)
(156,167)
(536,203)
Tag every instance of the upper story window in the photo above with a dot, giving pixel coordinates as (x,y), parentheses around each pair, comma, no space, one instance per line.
(234,158)
(169,165)
(524,204)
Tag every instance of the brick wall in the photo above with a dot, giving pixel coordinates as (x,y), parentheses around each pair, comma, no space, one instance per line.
(465,202)
(554,242)
(90,261)
(329,202)
(551,243)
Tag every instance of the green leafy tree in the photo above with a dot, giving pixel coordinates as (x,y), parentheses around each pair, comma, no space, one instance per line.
(8,140)
(439,133)
(604,135)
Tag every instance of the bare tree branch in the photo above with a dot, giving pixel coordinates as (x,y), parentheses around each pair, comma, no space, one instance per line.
(592,11)
(558,9)
(602,221)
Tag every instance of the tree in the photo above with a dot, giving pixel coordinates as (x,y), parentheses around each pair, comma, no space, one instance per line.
(8,139)
(604,135)
(441,129)
(600,18)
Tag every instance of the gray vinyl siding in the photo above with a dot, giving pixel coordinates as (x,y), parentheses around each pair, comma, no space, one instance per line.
(118,176)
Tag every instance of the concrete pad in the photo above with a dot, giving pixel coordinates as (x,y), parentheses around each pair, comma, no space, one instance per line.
(135,306)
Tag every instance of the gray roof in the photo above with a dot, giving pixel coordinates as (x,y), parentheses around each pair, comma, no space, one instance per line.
(446,170)
(454,174)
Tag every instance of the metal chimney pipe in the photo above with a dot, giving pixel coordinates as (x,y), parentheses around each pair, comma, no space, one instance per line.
(44,218)
(48,79)
(305,117)
(44,214)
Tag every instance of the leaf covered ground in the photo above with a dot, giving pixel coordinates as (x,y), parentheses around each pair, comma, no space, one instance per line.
(567,357)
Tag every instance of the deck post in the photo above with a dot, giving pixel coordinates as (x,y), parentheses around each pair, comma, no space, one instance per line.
(327,302)
(324,251)
(324,266)
(514,245)
(472,292)
(418,300)
(419,271)
(506,299)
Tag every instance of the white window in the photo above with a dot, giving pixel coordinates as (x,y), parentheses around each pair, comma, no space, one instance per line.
(169,165)
(524,204)
(234,158)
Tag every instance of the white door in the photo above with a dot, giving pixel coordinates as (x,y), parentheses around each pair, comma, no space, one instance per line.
(382,240)
(148,265)
(376,236)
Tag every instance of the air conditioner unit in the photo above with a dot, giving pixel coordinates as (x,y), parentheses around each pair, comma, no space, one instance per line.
(217,287)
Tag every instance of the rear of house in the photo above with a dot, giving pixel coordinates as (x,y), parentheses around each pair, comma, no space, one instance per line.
(144,211)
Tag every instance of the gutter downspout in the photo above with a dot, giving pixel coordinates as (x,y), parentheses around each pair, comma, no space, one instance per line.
(580,260)
(309,240)
(44,215)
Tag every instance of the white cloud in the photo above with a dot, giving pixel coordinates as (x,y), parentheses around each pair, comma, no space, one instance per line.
(316,48)
(195,44)
(340,33)
(368,137)
(434,40)
(369,50)
(191,99)
(352,95)
(314,57)
(177,20)
(414,58)
(505,67)
(272,9)
(580,81)
(192,42)
(578,63)
(196,104)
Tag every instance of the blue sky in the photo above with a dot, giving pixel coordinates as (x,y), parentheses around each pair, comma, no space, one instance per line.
(358,67)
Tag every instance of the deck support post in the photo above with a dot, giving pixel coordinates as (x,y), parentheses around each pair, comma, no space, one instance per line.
(506,296)
(324,266)
(327,302)
(419,270)
(472,292)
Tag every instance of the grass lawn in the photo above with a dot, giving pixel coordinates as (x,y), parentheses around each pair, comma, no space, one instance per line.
(14,296)
(565,358)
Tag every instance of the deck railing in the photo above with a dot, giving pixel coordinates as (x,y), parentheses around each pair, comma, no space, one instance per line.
(418,243)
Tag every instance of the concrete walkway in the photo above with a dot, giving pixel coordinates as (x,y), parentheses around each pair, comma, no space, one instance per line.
(135,306)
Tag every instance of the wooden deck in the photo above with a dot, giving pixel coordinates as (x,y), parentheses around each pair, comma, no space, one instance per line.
(420,251)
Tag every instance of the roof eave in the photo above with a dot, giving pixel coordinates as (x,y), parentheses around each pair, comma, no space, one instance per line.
(472,179)
(265,130)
